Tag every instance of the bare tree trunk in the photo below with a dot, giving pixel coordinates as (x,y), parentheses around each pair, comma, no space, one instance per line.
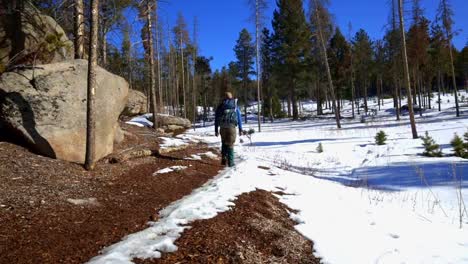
(405,64)
(438,89)
(327,66)
(79,29)
(183,76)
(195,55)
(454,82)
(92,64)
(158,61)
(152,74)
(257,40)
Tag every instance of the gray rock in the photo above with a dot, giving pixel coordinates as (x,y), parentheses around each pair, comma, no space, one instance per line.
(167,120)
(46,108)
(29,37)
(136,104)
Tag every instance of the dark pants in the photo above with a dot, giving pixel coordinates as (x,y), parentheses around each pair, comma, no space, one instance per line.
(228,137)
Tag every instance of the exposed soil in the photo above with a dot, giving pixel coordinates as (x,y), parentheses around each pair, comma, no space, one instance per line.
(53,211)
(39,224)
(257,230)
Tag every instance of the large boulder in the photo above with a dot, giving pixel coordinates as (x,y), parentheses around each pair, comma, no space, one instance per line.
(29,37)
(46,108)
(136,104)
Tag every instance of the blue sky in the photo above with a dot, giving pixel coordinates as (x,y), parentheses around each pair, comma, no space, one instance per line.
(220,21)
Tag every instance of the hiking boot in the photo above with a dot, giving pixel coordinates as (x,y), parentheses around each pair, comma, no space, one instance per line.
(230,155)
(224,155)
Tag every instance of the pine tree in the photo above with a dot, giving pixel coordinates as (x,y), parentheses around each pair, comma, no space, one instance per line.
(266,54)
(320,148)
(362,46)
(380,138)
(445,15)
(431,148)
(340,63)
(465,144)
(458,146)
(290,44)
(245,52)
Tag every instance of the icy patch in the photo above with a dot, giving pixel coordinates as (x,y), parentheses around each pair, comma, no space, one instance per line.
(170,169)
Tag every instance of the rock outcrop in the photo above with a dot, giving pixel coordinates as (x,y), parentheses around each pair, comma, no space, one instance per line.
(45,107)
(28,37)
(136,104)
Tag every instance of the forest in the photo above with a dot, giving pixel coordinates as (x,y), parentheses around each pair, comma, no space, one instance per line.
(304,57)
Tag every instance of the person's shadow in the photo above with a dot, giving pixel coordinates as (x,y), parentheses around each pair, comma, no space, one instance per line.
(14,102)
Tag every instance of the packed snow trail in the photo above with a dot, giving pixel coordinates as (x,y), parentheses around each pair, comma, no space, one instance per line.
(358,202)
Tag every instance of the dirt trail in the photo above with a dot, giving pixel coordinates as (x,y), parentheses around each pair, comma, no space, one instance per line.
(55,212)
(257,230)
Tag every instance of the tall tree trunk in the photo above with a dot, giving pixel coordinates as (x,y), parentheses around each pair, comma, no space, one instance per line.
(91,92)
(454,82)
(158,61)
(152,74)
(327,66)
(438,89)
(353,93)
(405,64)
(183,76)
(395,97)
(295,112)
(79,30)
(257,40)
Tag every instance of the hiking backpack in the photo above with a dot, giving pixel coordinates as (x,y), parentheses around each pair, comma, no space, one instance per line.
(228,114)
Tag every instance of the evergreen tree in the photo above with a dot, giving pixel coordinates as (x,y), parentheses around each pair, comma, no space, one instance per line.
(431,148)
(458,146)
(290,44)
(320,148)
(245,52)
(266,53)
(380,138)
(445,16)
(340,62)
(362,46)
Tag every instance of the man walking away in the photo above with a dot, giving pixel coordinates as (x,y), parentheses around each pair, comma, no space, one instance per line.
(228,118)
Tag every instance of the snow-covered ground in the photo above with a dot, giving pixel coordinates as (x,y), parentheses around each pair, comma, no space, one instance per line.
(358,202)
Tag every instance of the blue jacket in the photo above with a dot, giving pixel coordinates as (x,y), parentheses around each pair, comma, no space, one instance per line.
(227,103)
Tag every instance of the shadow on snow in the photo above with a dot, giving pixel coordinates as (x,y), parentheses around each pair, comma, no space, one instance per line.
(400,176)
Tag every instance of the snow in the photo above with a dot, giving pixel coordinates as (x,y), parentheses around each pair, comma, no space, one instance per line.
(170,169)
(172,142)
(358,202)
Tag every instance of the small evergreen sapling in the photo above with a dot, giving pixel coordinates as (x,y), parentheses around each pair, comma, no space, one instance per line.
(380,138)
(431,148)
(465,145)
(320,148)
(458,146)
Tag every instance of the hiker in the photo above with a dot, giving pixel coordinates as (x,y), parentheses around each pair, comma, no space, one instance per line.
(228,118)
